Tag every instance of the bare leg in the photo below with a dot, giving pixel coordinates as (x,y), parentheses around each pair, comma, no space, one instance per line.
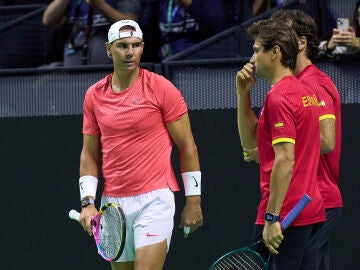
(151,257)
(122,266)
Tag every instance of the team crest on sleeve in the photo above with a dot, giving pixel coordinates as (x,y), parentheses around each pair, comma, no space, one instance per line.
(279,124)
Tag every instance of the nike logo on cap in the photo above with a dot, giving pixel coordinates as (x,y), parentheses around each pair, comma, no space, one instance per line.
(148,234)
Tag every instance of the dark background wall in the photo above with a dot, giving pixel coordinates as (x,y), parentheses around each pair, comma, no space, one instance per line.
(39,184)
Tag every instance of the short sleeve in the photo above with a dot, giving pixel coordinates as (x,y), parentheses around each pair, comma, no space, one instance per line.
(171,101)
(90,125)
(280,113)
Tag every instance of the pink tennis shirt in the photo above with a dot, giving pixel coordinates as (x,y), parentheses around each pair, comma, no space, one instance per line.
(290,114)
(328,173)
(136,145)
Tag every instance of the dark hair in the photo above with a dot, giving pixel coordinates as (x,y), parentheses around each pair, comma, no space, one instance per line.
(304,26)
(270,33)
(355,19)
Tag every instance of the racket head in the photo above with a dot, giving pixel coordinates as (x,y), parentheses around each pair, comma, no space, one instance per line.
(252,257)
(245,258)
(109,230)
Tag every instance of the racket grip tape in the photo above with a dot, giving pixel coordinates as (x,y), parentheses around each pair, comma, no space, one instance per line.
(73,214)
(295,211)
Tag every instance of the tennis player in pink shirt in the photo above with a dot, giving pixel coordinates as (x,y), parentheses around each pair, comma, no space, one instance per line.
(131,119)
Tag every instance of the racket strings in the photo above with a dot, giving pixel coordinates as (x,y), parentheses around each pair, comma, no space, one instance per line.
(243,260)
(110,231)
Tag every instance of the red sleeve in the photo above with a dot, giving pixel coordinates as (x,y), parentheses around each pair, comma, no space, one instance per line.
(171,101)
(90,125)
(281,118)
(327,99)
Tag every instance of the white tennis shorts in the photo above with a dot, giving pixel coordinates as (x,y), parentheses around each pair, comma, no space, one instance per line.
(149,219)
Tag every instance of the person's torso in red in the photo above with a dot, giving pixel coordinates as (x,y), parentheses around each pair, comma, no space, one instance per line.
(289,115)
(329,98)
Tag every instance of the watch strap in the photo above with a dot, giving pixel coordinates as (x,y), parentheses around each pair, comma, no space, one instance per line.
(86,201)
(271,217)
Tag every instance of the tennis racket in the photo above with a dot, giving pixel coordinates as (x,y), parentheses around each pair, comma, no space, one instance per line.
(250,258)
(109,230)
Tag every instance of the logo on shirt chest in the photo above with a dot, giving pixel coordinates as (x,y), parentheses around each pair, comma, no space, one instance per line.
(136,101)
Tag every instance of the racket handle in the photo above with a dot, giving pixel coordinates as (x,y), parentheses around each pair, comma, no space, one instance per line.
(73,214)
(295,211)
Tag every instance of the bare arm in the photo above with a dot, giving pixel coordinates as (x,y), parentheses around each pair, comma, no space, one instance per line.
(327,135)
(55,13)
(89,158)
(280,175)
(109,12)
(259,5)
(348,39)
(89,165)
(279,183)
(180,132)
(246,119)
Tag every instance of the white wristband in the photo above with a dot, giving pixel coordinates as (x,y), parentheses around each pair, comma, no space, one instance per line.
(192,183)
(88,186)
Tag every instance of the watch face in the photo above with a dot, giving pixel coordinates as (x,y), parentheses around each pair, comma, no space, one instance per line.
(86,202)
(269,217)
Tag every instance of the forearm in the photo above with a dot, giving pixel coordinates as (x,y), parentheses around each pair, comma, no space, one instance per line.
(189,159)
(247,121)
(189,162)
(327,134)
(279,183)
(111,13)
(258,5)
(55,13)
(325,50)
(88,180)
(356,45)
(89,165)
(180,132)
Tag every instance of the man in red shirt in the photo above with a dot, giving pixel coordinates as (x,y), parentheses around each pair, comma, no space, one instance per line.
(287,137)
(330,128)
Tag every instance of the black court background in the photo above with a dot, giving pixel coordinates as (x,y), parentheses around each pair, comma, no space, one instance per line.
(39,184)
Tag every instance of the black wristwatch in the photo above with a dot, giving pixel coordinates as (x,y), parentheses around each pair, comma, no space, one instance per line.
(271,217)
(86,201)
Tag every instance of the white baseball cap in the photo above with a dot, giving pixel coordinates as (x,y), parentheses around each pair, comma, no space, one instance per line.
(114,31)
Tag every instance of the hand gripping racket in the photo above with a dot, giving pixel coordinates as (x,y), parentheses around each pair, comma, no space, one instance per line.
(248,258)
(109,230)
